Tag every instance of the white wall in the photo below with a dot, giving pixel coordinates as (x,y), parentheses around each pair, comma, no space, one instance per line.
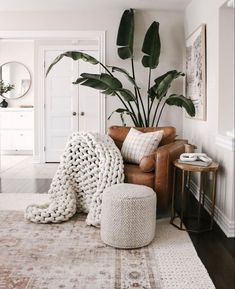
(226,70)
(171,30)
(205,134)
(20,51)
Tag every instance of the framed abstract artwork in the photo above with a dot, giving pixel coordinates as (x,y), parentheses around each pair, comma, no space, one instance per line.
(196,70)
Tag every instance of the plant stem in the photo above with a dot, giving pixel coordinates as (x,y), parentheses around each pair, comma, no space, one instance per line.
(122,119)
(149,81)
(105,68)
(133,75)
(132,115)
(142,105)
(160,113)
(155,113)
(141,123)
(151,106)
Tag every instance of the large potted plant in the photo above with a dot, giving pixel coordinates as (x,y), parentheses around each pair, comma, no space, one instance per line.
(142,114)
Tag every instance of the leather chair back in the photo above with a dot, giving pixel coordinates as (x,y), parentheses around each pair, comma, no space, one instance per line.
(119,133)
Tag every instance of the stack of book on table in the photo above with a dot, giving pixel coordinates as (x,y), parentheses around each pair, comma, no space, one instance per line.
(197,159)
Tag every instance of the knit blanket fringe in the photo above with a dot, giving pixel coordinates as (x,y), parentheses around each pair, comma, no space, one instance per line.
(90,163)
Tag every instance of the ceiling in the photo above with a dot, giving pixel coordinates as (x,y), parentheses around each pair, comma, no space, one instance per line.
(68,5)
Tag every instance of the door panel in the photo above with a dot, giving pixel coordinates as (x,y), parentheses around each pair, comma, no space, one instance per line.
(89,99)
(59,103)
(68,107)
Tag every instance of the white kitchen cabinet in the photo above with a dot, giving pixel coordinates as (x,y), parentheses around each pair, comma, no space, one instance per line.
(16,130)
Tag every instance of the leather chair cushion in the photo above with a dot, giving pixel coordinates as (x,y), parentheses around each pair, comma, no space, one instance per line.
(134,175)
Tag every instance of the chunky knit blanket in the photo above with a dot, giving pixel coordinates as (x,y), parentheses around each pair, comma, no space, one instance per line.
(90,163)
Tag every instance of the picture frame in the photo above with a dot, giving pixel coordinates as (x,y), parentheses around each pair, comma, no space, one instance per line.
(195,87)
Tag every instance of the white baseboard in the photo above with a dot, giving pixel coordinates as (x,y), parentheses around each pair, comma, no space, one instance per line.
(225,224)
(16,152)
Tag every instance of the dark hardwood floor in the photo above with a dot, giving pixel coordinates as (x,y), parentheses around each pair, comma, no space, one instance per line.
(217,254)
(216,251)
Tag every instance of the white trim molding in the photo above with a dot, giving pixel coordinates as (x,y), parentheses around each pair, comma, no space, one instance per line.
(225,224)
(225,142)
(17,152)
(53,34)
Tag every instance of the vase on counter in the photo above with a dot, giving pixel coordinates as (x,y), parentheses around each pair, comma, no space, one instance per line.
(4,103)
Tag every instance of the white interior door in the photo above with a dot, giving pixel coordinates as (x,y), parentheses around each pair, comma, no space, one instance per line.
(60,101)
(89,99)
(68,107)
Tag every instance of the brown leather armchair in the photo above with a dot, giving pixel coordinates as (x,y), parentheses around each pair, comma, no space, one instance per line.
(154,170)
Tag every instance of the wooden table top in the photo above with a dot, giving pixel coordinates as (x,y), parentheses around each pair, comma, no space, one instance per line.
(195,168)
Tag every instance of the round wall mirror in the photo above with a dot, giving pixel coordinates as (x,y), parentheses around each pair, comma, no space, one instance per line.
(15,80)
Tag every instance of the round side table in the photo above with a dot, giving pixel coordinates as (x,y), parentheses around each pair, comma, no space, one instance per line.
(186,170)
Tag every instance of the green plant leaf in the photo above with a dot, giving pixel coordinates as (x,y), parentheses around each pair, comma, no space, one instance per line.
(125,37)
(75,55)
(151,46)
(163,83)
(79,80)
(126,94)
(182,101)
(121,70)
(121,112)
(109,91)
(105,82)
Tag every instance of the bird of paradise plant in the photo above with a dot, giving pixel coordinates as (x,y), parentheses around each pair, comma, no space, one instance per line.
(142,115)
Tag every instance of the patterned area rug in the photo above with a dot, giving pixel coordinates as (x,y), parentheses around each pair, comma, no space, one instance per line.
(71,255)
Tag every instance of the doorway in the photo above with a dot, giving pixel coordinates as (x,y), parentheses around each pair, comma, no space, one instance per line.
(68,107)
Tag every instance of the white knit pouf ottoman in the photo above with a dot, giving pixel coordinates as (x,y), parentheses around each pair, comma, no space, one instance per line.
(128,216)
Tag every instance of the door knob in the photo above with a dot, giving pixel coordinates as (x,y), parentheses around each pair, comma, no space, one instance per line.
(74,113)
(82,113)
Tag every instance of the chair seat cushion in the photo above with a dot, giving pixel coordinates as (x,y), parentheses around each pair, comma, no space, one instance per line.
(134,175)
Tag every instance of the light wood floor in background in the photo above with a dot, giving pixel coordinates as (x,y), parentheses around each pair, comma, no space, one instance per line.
(19,175)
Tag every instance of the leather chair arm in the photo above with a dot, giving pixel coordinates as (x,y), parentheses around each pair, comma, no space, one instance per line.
(165,155)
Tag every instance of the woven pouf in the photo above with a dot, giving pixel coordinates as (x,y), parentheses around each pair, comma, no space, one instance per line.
(128,216)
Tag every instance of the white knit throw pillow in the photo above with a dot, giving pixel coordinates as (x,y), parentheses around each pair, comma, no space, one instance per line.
(138,144)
